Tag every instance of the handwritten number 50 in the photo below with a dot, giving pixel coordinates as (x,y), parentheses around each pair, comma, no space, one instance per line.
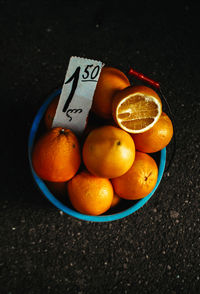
(91,75)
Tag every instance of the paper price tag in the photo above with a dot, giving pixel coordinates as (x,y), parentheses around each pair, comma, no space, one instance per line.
(77,94)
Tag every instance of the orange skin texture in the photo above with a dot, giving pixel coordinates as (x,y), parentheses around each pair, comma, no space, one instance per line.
(157,137)
(50,113)
(56,155)
(108,152)
(140,179)
(90,194)
(111,80)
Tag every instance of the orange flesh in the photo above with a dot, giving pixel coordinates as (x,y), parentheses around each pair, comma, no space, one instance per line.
(137,112)
(138,123)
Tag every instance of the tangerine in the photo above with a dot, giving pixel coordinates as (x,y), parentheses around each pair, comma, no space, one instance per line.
(56,155)
(140,179)
(157,137)
(108,152)
(90,194)
(111,80)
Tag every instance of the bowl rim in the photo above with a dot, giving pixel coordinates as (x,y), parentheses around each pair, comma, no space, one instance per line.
(42,186)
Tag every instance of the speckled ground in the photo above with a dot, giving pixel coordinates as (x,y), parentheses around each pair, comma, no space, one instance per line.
(155,250)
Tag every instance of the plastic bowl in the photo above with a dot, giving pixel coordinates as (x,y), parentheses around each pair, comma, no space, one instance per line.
(133,205)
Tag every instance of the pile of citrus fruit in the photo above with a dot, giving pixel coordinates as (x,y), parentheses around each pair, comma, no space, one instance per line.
(111,160)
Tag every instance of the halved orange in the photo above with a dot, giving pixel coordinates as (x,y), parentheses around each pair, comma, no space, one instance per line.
(136,109)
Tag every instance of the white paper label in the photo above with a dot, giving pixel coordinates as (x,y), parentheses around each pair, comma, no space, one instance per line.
(77,94)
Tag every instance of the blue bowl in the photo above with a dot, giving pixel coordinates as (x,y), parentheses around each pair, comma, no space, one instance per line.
(135,205)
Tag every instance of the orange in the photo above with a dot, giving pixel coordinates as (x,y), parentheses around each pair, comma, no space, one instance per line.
(140,179)
(108,152)
(50,113)
(157,137)
(90,194)
(111,80)
(56,155)
(136,109)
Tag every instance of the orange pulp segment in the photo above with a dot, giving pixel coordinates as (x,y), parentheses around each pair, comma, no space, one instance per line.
(136,109)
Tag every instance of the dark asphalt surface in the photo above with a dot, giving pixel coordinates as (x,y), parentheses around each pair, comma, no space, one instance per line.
(156,249)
